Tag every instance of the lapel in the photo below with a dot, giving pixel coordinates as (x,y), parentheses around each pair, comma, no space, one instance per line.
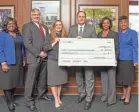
(76,30)
(23,48)
(45,28)
(37,29)
(107,36)
(35,26)
(84,31)
(99,35)
(9,39)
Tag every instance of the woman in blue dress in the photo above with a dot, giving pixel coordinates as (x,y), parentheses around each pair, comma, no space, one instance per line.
(11,60)
(128,58)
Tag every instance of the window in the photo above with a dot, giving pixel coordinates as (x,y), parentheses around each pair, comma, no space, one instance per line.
(134,17)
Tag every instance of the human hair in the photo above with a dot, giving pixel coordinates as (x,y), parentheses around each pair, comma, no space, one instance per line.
(123,17)
(4,28)
(102,21)
(35,10)
(82,12)
(53,31)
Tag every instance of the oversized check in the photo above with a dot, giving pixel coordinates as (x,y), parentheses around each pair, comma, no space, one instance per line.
(86,52)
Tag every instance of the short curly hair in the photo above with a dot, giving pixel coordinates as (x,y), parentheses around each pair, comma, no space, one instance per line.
(102,21)
(123,17)
(4,28)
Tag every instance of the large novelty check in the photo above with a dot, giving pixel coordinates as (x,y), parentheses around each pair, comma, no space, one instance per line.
(86,52)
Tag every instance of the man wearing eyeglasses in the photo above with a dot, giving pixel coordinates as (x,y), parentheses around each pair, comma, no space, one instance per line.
(34,34)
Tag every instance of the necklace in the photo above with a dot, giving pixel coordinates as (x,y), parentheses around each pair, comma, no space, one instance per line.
(105,33)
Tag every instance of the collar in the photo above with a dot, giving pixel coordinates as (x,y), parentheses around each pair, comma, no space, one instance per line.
(126,32)
(36,23)
(58,34)
(81,25)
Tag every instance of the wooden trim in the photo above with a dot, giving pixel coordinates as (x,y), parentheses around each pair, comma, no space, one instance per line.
(133,2)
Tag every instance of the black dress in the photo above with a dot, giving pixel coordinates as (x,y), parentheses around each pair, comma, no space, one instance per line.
(14,76)
(56,75)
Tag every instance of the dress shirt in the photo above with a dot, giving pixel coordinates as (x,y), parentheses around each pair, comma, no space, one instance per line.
(79,27)
(37,24)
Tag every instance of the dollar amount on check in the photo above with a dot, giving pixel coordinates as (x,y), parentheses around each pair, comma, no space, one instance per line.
(86,52)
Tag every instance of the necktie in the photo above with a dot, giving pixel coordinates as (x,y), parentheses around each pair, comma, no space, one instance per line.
(41,30)
(80,31)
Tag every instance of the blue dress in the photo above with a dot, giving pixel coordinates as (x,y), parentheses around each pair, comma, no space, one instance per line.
(14,77)
(128,46)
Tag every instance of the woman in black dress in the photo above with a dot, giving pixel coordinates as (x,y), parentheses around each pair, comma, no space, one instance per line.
(11,60)
(57,75)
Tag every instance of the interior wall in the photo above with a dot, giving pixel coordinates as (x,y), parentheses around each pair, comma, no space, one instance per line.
(69,9)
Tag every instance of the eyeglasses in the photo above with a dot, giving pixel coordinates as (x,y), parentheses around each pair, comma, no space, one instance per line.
(35,14)
(11,24)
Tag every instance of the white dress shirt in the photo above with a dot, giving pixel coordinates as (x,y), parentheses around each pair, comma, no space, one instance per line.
(37,24)
(79,27)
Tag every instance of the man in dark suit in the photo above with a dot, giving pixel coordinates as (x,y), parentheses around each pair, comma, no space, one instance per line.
(85,87)
(34,35)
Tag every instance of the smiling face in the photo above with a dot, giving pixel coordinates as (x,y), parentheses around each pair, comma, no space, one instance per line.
(81,18)
(123,24)
(58,26)
(106,24)
(11,26)
(35,16)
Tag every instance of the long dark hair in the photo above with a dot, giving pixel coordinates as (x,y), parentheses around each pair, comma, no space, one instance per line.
(4,28)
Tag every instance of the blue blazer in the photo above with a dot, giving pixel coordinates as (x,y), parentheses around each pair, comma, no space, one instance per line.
(128,43)
(7,48)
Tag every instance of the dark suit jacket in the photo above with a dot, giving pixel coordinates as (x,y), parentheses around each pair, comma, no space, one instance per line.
(88,32)
(114,35)
(33,41)
(52,51)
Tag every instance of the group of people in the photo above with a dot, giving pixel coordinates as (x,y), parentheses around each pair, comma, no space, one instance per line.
(39,51)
